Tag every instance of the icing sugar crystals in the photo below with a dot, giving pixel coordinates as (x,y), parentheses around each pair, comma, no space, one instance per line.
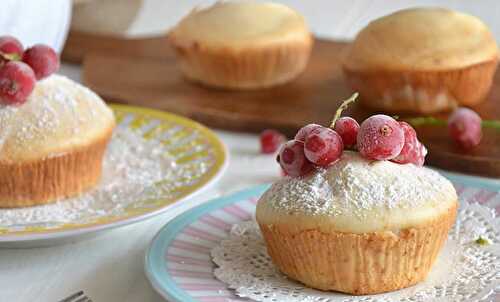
(312,195)
(355,184)
(52,105)
(5,126)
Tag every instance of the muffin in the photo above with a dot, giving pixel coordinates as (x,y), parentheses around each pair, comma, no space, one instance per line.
(358,226)
(422,60)
(242,45)
(52,146)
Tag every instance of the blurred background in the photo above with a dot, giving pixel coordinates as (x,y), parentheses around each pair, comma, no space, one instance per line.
(327,18)
(111,268)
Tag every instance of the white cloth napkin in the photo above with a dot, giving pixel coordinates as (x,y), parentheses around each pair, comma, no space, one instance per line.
(36,21)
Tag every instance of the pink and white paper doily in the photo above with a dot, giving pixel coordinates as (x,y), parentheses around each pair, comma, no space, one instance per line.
(464,271)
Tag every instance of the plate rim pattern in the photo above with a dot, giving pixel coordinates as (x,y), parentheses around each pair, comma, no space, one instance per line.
(220,164)
(161,280)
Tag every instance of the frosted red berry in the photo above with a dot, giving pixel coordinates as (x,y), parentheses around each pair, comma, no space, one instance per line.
(17,81)
(347,128)
(292,159)
(464,126)
(380,137)
(323,146)
(270,141)
(42,59)
(10,45)
(412,151)
(422,152)
(304,131)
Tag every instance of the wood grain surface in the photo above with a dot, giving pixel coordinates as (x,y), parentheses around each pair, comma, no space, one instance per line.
(80,44)
(155,81)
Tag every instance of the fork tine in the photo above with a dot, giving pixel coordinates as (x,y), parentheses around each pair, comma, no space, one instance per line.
(83,299)
(73,297)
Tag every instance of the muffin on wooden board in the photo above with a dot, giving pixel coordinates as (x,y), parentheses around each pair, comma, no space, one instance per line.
(358,226)
(52,146)
(422,60)
(242,45)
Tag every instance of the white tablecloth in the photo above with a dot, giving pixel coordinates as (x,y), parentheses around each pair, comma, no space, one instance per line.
(110,267)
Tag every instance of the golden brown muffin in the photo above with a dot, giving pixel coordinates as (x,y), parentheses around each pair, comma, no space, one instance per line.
(52,146)
(359,226)
(242,45)
(422,60)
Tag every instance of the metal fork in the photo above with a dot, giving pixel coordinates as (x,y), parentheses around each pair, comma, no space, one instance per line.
(77,297)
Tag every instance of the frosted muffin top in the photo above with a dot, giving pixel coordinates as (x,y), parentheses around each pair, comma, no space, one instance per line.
(358,195)
(59,116)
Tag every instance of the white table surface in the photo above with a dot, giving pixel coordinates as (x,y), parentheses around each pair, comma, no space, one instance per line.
(109,267)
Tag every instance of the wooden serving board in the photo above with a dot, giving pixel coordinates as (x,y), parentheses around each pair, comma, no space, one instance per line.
(155,81)
(80,44)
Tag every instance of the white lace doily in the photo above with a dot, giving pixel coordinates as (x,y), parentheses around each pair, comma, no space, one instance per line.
(463,272)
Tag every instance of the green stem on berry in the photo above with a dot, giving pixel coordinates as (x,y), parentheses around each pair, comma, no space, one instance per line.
(11,56)
(342,107)
(495,124)
(427,120)
(432,121)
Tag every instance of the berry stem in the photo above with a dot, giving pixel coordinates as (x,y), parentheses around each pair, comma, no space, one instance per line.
(495,124)
(11,56)
(426,120)
(432,121)
(342,107)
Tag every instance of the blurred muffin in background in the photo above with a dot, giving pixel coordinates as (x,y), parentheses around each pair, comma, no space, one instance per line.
(242,45)
(104,16)
(422,60)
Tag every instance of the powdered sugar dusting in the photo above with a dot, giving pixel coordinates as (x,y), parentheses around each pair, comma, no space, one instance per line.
(131,169)
(354,185)
(57,109)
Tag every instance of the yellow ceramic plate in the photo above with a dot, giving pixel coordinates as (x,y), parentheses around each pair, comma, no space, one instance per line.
(196,153)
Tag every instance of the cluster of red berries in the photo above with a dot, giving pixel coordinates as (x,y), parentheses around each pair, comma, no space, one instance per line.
(379,137)
(20,69)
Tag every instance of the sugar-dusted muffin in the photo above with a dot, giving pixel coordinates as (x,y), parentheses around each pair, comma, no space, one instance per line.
(422,60)
(242,45)
(358,226)
(52,146)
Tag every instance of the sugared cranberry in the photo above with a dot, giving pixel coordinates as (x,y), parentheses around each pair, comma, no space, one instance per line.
(413,151)
(422,152)
(464,126)
(43,59)
(304,131)
(10,45)
(17,81)
(380,137)
(292,159)
(323,146)
(270,141)
(347,128)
